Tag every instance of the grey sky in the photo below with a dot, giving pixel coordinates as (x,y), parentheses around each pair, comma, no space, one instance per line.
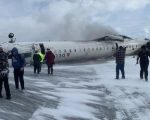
(41,20)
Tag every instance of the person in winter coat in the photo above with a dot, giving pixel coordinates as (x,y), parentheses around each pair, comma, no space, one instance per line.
(143,57)
(42,59)
(36,62)
(18,63)
(4,70)
(120,61)
(50,57)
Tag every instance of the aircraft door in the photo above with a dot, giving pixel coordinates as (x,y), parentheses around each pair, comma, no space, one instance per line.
(42,48)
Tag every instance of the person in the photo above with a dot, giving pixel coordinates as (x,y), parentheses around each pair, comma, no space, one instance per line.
(18,63)
(42,56)
(4,74)
(144,62)
(120,61)
(49,57)
(36,62)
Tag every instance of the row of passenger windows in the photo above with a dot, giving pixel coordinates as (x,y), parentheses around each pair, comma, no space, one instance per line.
(93,49)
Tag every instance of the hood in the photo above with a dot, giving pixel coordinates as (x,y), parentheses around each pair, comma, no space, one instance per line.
(15,50)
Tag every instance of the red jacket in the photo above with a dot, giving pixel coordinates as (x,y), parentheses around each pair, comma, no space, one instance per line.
(49,57)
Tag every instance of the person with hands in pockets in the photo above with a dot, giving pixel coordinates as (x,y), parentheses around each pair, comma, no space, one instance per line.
(4,70)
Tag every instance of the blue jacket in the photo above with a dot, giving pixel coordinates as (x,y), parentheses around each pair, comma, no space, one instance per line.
(18,60)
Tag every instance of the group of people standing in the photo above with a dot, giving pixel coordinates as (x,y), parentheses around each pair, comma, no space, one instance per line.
(18,63)
(38,59)
(142,58)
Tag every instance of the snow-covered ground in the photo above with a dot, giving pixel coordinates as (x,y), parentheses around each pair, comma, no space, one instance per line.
(80,92)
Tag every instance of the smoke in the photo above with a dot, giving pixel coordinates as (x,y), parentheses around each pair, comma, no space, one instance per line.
(73,29)
(68,20)
(57,20)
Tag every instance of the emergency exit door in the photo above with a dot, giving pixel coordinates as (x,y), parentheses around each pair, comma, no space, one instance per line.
(42,48)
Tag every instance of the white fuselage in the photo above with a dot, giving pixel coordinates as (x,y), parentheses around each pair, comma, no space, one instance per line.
(65,51)
(71,51)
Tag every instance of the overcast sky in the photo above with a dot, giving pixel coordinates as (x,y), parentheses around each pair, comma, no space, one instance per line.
(42,20)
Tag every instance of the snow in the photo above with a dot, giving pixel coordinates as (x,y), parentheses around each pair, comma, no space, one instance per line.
(129,94)
(86,92)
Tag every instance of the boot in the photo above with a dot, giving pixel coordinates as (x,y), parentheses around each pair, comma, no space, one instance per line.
(1,96)
(8,97)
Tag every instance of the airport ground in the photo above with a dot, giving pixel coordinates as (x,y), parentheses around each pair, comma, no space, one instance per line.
(79,92)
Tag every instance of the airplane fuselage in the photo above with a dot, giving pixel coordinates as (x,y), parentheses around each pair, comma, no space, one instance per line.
(71,50)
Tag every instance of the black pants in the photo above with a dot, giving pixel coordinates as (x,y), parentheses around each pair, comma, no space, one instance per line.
(50,68)
(18,76)
(6,85)
(36,68)
(144,69)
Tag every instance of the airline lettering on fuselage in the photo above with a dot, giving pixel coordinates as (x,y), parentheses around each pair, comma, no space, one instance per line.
(62,55)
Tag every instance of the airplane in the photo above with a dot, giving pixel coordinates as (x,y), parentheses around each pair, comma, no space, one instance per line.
(78,50)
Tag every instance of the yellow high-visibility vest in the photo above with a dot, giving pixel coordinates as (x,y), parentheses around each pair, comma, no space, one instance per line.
(42,56)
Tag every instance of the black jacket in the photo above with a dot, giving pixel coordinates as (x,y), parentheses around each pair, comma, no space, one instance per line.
(36,59)
(3,61)
(143,56)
